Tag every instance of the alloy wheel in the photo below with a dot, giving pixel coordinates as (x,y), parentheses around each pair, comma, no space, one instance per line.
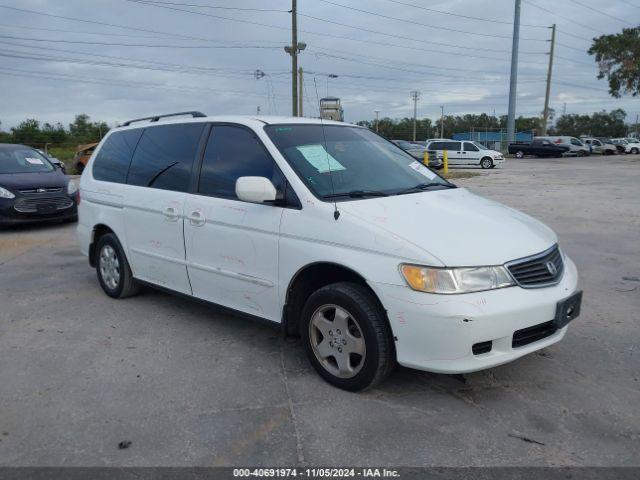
(337,341)
(109,267)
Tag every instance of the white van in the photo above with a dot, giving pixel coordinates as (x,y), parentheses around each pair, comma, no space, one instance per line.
(330,231)
(576,147)
(466,153)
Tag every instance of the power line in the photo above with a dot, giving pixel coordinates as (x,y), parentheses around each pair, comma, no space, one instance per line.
(469,17)
(84,42)
(388,17)
(200,5)
(572,20)
(602,13)
(113,25)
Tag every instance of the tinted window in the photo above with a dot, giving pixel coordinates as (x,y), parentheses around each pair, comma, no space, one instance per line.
(165,155)
(435,146)
(451,146)
(470,147)
(112,162)
(234,152)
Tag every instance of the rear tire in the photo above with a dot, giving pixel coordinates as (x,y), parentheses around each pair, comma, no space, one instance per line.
(347,337)
(112,268)
(486,163)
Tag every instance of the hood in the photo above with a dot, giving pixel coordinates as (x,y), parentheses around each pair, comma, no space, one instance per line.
(23,181)
(455,226)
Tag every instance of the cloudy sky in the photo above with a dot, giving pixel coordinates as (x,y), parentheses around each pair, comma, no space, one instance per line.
(119,59)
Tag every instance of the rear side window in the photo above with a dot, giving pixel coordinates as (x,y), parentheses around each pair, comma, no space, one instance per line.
(112,162)
(165,156)
(451,146)
(234,152)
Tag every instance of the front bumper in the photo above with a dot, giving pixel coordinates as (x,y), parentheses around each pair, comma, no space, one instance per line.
(437,333)
(10,216)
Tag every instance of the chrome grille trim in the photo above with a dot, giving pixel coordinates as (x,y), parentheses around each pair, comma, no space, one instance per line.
(533,272)
(30,205)
(41,190)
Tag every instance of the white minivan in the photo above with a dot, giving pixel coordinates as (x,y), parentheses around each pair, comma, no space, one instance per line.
(330,231)
(466,153)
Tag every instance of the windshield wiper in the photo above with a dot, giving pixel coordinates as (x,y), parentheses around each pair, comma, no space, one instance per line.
(357,194)
(425,186)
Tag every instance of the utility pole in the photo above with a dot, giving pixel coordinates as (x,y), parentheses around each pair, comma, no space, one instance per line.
(258,110)
(294,57)
(378,112)
(545,113)
(637,116)
(441,121)
(293,50)
(511,118)
(564,109)
(300,91)
(415,96)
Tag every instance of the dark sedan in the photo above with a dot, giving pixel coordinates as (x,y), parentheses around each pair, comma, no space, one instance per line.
(32,189)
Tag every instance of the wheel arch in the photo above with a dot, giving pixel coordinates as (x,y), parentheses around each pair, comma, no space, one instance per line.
(98,231)
(310,278)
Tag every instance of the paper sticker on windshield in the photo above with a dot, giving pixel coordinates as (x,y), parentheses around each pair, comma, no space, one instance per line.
(420,168)
(319,158)
(34,161)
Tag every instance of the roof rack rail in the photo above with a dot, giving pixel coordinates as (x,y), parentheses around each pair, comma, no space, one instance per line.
(158,117)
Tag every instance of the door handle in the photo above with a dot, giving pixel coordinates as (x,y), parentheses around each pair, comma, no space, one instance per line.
(171,214)
(196,218)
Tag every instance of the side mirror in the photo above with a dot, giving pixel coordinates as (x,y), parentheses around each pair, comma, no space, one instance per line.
(255,189)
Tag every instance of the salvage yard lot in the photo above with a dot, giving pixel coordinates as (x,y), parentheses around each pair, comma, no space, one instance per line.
(188,385)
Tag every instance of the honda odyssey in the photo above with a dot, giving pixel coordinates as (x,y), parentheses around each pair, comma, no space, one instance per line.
(330,231)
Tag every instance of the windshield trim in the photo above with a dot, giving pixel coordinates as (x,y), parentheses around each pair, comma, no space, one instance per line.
(390,193)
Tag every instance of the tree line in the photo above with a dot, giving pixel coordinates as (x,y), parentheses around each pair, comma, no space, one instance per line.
(35,133)
(600,124)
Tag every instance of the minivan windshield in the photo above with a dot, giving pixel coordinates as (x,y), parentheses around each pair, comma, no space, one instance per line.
(350,162)
(23,160)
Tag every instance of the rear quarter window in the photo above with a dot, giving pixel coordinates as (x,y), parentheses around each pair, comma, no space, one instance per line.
(112,161)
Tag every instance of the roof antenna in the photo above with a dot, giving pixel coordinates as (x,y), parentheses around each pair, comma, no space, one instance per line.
(336,212)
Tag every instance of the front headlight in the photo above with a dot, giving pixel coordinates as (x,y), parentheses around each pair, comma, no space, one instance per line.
(455,280)
(72,187)
(4,193)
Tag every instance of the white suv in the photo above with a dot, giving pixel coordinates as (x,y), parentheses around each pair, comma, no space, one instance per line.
(329,231)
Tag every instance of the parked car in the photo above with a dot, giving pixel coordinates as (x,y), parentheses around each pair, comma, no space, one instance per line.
(32,189)
(465,153)
(83,153)
(576,147)
(618,143)
(626,146)
(598,146)
(54,161)
(417,152)
(634,144)
(539,147)
(330,232)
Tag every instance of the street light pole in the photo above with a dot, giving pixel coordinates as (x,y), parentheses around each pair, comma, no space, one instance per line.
(441,121)
(378,112)
(415,95)
(511,118)
(294,57)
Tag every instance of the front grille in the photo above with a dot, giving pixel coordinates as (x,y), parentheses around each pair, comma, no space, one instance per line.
(41,190)
(529,335)
(35,204)
(538,270)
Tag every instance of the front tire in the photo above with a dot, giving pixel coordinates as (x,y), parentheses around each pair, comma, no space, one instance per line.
(486,163)
(519,154)
(112,267)
(347,337)
(634,151)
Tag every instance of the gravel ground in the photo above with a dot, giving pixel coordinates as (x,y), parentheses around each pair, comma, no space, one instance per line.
(188,385)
